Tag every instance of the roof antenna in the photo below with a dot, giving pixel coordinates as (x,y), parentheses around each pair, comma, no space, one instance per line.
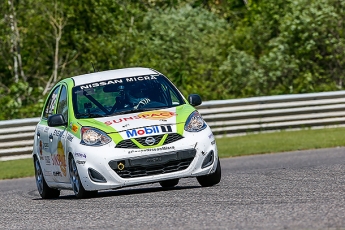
(94,70)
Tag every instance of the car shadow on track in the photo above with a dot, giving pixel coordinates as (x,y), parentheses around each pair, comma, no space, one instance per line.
(126,191)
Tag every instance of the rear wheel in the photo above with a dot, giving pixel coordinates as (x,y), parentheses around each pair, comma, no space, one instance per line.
(211,179)
(43,189)
(169,183)
(78,188)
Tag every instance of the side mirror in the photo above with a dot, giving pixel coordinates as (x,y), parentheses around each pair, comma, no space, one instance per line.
(194,99)
(56,120)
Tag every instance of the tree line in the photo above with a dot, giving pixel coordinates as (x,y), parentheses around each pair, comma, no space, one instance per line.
(220,49)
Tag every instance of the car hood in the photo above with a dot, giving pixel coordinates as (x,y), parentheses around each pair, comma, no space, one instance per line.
(120,123)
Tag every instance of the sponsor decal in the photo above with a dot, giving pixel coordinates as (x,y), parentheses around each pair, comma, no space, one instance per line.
(213,142)
(152,150)
(47,160)
(59,159)
(102,83)
(46,129)
(121,120)
(118,81)
(151,115)
(210,136)
(47,172)
(70,137)
(57,173)
(154,159)
(74,128)
(45,145)
(82,155)
(148,130)
(40,147)
(81,162)
(58,133)
(166,128)
(157,115)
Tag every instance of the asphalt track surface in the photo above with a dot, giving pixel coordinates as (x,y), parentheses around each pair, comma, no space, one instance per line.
(296,190)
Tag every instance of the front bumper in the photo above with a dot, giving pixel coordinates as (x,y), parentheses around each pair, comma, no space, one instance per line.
(120,167)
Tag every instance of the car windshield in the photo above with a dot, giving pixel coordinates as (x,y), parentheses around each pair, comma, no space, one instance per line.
(124,95)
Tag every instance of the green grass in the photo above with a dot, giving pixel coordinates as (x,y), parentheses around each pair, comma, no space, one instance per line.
(16,168)
(281,142)
(230,146)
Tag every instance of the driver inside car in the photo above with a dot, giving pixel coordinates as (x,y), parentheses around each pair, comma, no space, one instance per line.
(133,97)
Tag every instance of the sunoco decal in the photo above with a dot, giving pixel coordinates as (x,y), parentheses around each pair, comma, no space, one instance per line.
(157,115)
(151,115)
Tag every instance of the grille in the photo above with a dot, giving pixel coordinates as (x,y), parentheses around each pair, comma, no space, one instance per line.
(146,166)
(173,166)
(128,144)
(141,140)
(172,138)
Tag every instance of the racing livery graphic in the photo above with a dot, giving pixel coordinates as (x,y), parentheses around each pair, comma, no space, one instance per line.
(117,128)
(59,159)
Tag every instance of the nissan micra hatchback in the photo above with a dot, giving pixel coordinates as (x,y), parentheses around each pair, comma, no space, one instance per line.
(117,128)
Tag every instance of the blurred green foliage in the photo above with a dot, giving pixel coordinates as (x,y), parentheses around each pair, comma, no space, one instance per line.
(219,49)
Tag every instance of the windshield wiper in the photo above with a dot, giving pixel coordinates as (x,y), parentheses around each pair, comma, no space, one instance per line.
(126,111)
(136,110)
(153,108)
(89,115)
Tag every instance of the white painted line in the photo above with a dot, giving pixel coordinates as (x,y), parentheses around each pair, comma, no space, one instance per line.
(16,157)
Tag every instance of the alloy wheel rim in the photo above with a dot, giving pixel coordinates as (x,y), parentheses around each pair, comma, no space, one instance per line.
(39,176)
(75,181)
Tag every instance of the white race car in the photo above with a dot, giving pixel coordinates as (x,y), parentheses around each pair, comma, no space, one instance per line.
(117,128)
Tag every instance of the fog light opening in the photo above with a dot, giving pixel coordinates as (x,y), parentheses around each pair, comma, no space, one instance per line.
(96,176)
(208,159)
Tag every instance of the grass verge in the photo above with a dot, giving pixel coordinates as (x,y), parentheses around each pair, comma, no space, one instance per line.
(16,168)
(281,142)
(230,146)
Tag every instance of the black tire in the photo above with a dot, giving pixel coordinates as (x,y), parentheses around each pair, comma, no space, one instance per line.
(77,186)
(43,189)
(211,179)
(169,183)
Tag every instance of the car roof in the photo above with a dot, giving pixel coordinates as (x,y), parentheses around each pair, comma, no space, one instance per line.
(112,74)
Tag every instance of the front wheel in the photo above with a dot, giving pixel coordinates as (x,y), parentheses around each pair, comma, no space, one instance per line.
(211,179)
(43,189)
(78,188)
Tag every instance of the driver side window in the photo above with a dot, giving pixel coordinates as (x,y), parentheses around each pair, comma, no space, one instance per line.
(51,103)
(62,107)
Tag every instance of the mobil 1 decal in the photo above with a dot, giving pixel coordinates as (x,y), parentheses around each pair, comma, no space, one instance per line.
(150,131)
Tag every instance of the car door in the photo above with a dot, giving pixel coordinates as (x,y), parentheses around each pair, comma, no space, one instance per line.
(57,140)
(42,135)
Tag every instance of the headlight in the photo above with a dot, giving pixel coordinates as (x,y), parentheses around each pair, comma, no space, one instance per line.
(93,137)
(195,123)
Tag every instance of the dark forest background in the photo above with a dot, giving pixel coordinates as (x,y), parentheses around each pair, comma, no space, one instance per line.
(220,49)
